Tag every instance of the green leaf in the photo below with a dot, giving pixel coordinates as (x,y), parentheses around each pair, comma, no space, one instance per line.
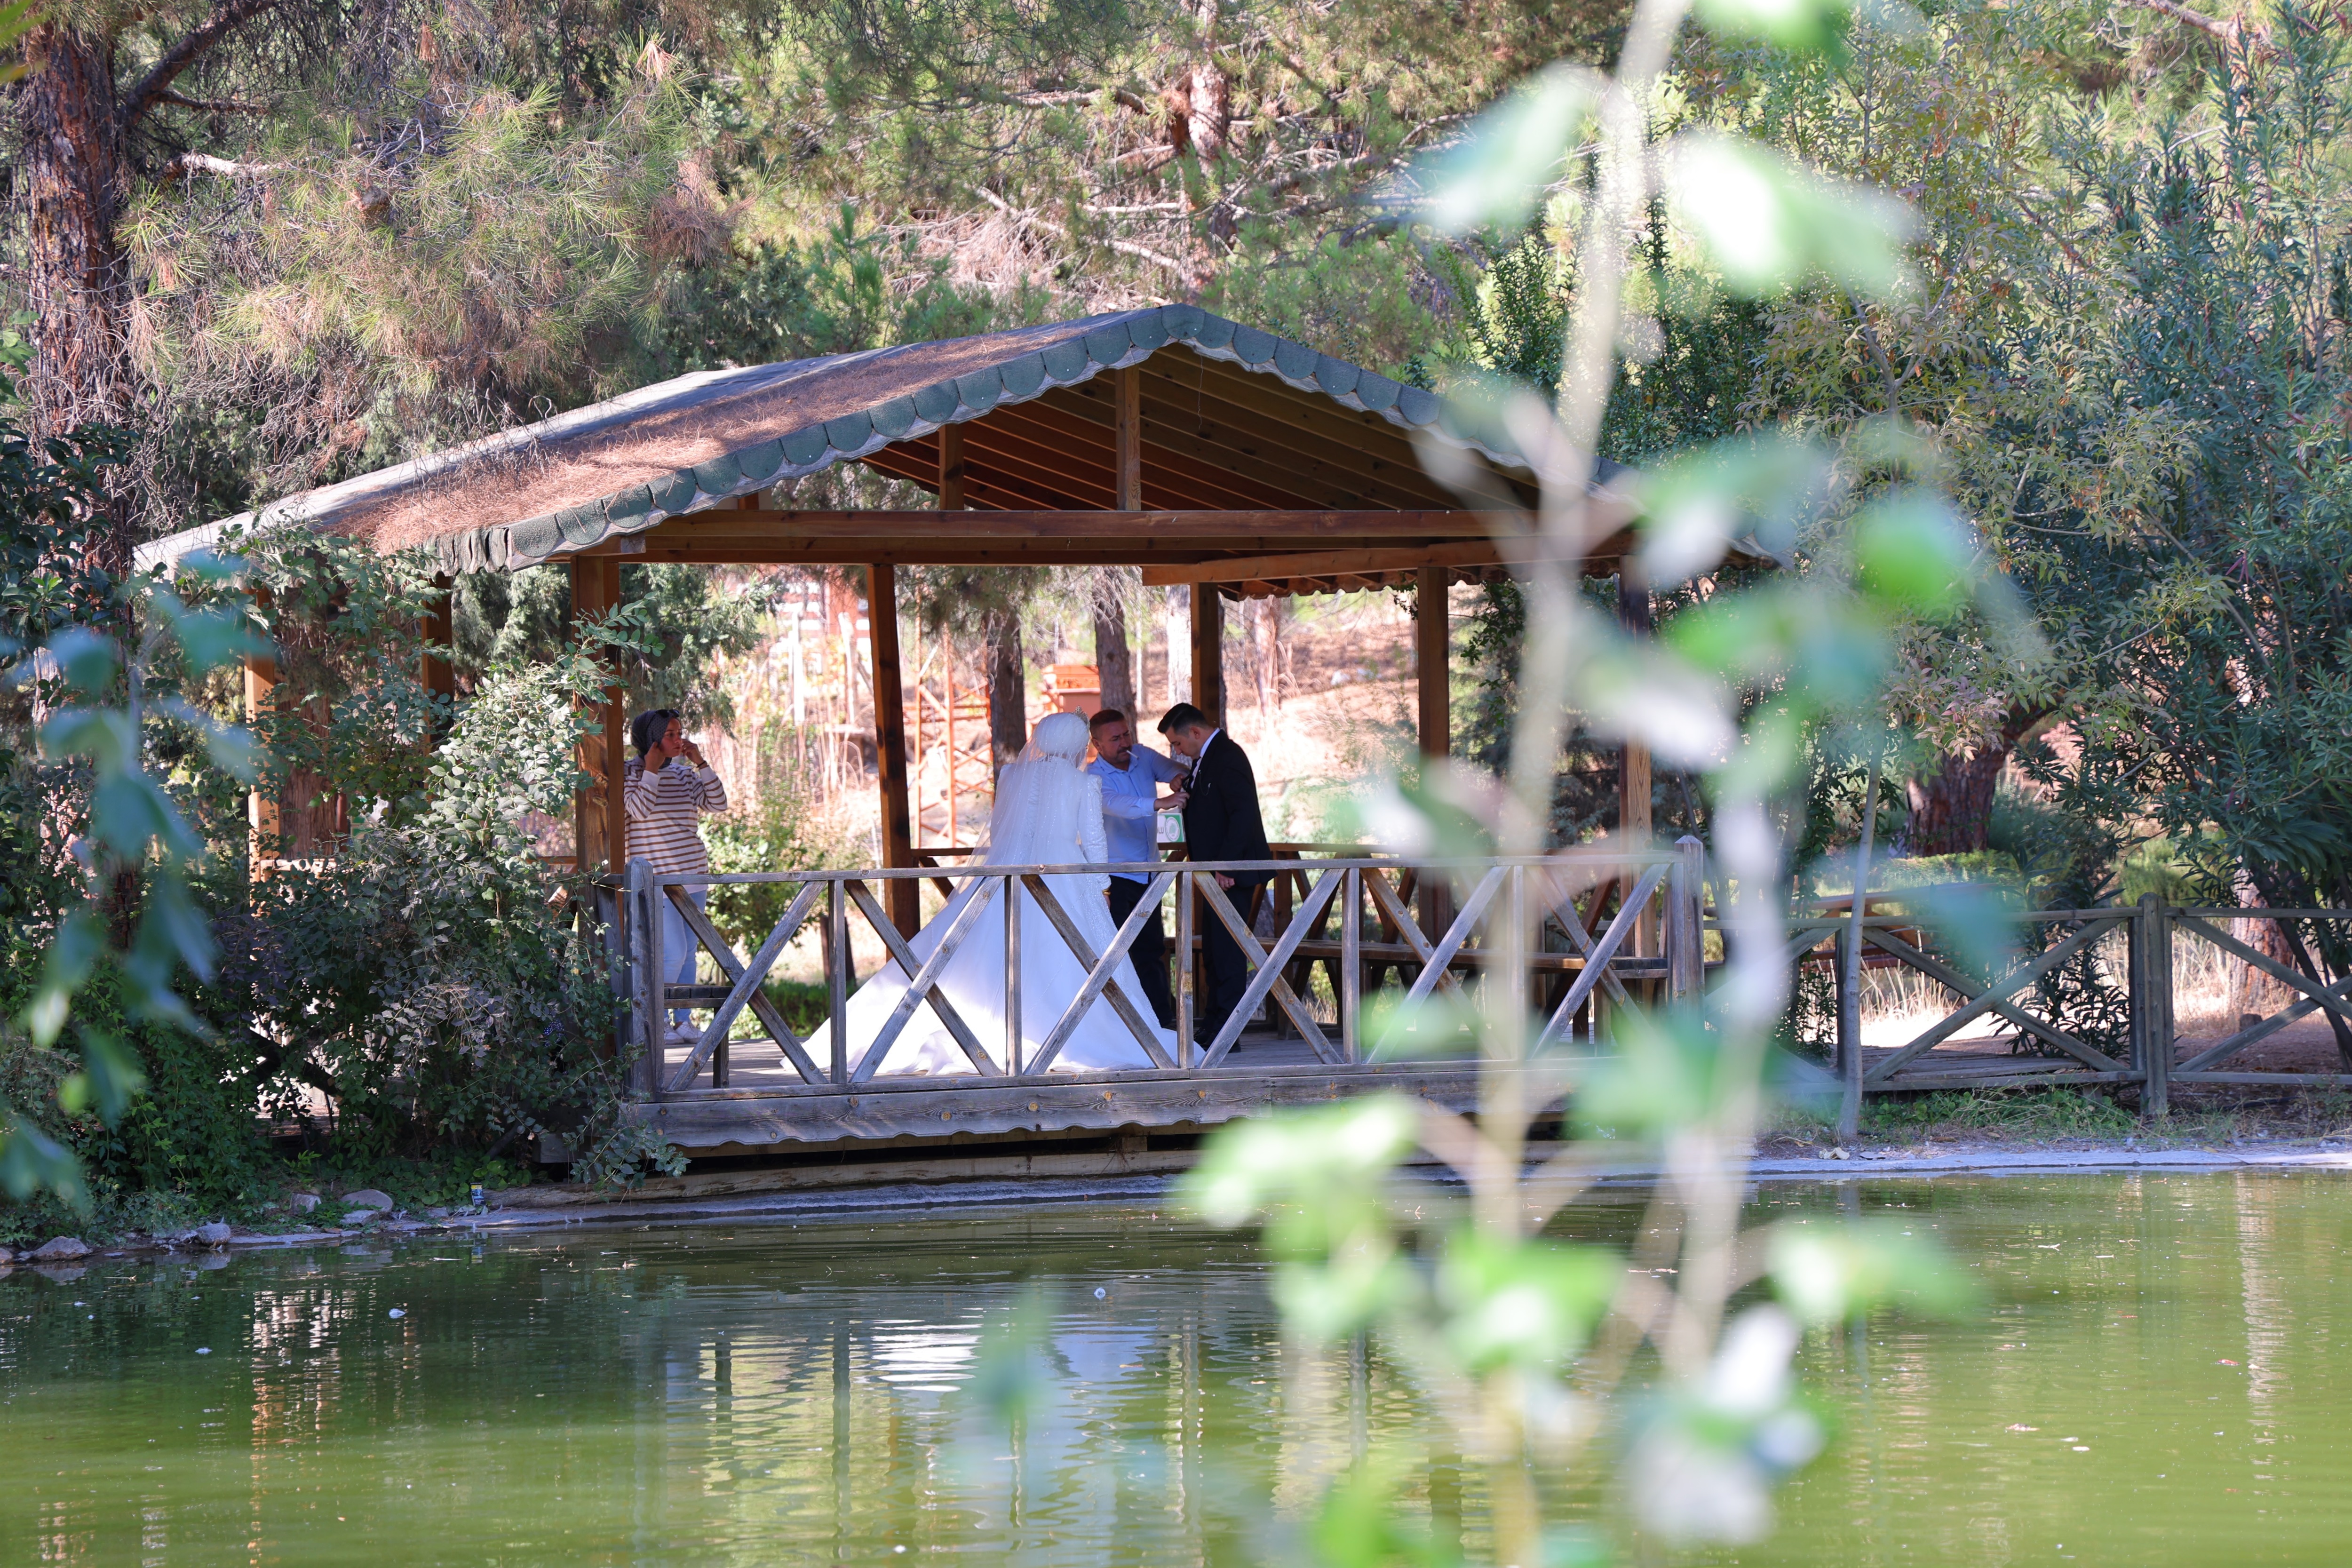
(31,1162)
(87,660)
(1824,1273)
(1253,1165)
(1528,1303)
(1768,223)
(111,1072)
(1911,553)
(1666,1073)
(73,952)
(1808,27)
(1512,152)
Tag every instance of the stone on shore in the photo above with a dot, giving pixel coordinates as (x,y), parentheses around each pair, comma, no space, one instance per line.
(303,1202)
(61,1249)
(361,1216)
(368,1198)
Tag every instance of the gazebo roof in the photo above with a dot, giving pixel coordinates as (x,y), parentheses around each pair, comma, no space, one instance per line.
(1233,421)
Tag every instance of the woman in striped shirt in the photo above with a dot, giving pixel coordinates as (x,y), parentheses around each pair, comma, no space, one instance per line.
(666,803)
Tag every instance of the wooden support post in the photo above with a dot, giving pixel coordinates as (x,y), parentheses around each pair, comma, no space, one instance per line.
(1127,430)
(951,467)
(902,894)
(600,820)
(1686,921)
(440,630)
(1849,1034)
(2152,1004)
(1209,652)
(1433,660)
(1433,651)
(260,805)
(1634,826)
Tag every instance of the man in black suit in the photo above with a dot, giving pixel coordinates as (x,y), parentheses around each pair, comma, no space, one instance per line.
(1221,822)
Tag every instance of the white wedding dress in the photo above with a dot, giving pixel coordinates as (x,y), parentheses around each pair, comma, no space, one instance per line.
(1048,813)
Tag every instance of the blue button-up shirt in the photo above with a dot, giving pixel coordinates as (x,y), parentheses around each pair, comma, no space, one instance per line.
(1130,825)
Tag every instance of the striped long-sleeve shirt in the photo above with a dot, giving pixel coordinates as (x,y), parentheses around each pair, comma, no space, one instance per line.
(664,808)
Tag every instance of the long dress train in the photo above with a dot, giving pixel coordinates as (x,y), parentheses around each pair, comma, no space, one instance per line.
(1048,813)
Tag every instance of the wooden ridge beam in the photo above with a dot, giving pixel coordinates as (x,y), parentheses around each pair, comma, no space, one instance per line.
(1050,523)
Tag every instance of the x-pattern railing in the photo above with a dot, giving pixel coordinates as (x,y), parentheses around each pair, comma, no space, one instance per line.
(1368,901)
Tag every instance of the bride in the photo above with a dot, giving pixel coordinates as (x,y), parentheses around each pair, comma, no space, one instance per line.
(1048,813)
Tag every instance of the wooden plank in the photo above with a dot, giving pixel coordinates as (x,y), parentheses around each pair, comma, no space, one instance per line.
(1235,446)
(1098,974)
(1203,432)
(921,985)
(1946,975)
(1433,650)
(950,444)
(1392,908)
(1059,918)
(2023,976)
(2328,998)
(2223,1050)
(1434,523)
(1357,562)
(1127,438)
(897,1108)
(1268,981)
(1598,955)
(1209,655)
(1376,451)
(1173,461)
(890,744)
(746,988)
(1457,935)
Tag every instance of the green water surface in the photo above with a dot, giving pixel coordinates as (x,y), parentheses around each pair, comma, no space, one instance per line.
(2156,1379)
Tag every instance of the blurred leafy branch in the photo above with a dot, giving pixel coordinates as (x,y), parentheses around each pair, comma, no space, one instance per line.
(1519,1340)
(95,658)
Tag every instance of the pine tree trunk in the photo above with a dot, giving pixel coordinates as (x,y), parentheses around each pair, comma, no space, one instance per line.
(71,184)
(1114,659)
(1951,809)
(1008,693)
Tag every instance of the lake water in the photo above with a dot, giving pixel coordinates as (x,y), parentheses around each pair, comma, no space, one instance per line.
(2156,1379)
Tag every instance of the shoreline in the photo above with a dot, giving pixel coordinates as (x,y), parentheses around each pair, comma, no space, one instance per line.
(787,1196)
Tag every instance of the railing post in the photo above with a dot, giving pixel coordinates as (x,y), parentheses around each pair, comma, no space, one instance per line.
(1686,927)
(656,983)
(1184,896)
(2152,1004)
(1848,1038)
(1351,964)
(837,973)
(1012,974)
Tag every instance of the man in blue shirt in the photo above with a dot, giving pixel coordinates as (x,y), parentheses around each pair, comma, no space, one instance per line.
(1130,776)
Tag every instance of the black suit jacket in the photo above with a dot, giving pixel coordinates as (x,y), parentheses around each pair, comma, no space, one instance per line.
(1221,814)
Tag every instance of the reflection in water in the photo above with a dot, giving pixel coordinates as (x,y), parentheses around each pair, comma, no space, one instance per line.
(814,1395)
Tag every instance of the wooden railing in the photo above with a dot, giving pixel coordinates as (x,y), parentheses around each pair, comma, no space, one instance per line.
(2116,956)
(1354,918)
(2087,996)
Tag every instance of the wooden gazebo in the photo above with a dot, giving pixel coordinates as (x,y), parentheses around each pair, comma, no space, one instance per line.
(1203,451)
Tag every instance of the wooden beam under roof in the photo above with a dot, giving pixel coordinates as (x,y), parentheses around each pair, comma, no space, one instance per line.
(1365,561)
(1168,527)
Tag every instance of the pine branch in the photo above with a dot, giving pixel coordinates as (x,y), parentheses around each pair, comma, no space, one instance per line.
(1185,272)
(188,165)
(213,105)
(2179,13)
(193,45)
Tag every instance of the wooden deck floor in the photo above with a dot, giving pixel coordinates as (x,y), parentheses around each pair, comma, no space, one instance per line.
(764,1104)
(766,1107)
